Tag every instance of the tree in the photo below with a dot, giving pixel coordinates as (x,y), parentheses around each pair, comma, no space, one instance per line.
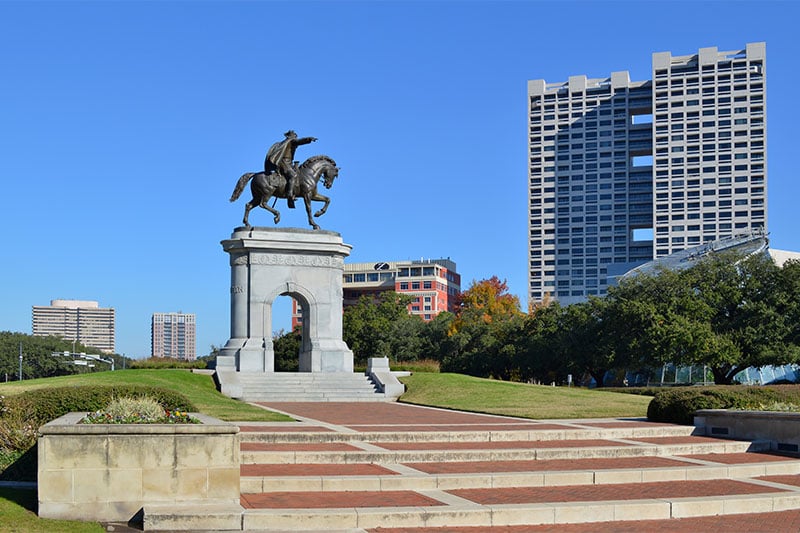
(286,347)
(37,358)
(589,340)
(485,330)
(487,301)
(727,312)
(382,327)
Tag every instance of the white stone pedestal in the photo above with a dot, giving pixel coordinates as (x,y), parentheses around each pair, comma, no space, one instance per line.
(304,264)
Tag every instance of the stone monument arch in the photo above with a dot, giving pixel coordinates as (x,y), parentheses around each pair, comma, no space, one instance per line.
(305,264)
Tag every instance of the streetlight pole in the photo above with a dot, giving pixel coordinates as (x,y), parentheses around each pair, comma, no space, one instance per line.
(20,361)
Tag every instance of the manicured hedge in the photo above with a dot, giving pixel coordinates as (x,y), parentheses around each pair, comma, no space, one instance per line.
(678,406)
(40,406)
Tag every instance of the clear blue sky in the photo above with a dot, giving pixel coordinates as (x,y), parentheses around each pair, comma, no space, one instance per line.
(125,126)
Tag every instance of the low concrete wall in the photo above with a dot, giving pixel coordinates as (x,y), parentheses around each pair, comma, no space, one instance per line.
(781,429)
(108,472)
(380,374)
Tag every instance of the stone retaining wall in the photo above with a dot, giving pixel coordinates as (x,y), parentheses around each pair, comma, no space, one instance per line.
(108,472)
(781,429)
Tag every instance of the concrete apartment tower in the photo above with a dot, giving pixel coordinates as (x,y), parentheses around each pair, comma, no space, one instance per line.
(173,335)
(623,172)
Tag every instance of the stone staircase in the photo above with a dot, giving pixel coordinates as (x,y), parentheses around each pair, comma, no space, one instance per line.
(303,387)
(493,472)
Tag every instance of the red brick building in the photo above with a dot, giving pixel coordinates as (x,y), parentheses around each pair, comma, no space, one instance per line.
(433,283)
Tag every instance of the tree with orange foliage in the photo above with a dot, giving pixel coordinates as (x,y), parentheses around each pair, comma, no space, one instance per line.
(484,330)
(487,300)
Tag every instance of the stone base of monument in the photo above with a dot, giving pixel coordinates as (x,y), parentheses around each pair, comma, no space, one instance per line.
(307,265)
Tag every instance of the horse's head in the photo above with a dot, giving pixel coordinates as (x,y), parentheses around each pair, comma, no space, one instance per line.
(330,173)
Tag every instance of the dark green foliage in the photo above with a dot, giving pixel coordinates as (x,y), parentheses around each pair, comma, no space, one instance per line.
(678,405)
(40,406)
(287,350)
(38,360)
(639,391)
(381,327)
(167,362)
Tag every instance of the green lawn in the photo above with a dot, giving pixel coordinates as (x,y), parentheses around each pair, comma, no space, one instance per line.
(199,388)
(17,515)
(456,391)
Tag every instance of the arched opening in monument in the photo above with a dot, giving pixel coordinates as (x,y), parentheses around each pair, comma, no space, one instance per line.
(289,338)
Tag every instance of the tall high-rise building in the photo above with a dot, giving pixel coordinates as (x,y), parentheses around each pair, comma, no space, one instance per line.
(82,321)
(623,172)
(173,335)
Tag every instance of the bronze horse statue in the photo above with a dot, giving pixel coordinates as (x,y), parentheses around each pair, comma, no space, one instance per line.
(264,186)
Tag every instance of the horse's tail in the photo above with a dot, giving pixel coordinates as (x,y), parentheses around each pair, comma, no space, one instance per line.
(240,185)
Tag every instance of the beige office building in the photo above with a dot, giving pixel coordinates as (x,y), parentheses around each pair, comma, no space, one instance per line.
(82,321)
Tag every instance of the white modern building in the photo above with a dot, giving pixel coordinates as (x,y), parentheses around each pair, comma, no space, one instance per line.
(173,335)
(623,172)
(83,321)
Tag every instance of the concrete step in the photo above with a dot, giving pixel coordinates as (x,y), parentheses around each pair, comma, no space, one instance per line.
(307,387)
(545,473)
(274,433)
(436,508)
(318,456)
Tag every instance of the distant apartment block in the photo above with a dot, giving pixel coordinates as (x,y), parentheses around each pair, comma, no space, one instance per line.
(77,320)
(623,172)
(433,284)
(173,335)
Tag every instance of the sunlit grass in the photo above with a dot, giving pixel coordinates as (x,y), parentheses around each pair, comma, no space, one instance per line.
(467,393)
(199,388)
(17,515)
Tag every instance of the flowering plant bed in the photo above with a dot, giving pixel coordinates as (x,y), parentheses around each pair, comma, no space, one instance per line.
(145,410)
(170,417)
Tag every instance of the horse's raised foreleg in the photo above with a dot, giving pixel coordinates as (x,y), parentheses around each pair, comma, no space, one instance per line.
(321,198)
(307,201)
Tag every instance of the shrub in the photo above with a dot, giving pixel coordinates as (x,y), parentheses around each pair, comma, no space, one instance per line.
(421,365)
(167,362)
(679,405)
(21,416)
(40,406)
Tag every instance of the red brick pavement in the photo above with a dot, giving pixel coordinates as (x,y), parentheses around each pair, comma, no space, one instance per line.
(628,491)
(740,458)
(336,500)
(793,479)
(382,413)
(460,427)
(299,470)
(777,522)
(498,445)
(549,465)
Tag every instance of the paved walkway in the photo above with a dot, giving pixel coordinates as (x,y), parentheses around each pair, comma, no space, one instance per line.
(777,522)
(370,419)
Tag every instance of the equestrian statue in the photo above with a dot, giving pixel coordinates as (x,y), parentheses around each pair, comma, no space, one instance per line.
(283,178)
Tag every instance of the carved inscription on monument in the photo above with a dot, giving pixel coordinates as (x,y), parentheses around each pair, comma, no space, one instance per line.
(297,260)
